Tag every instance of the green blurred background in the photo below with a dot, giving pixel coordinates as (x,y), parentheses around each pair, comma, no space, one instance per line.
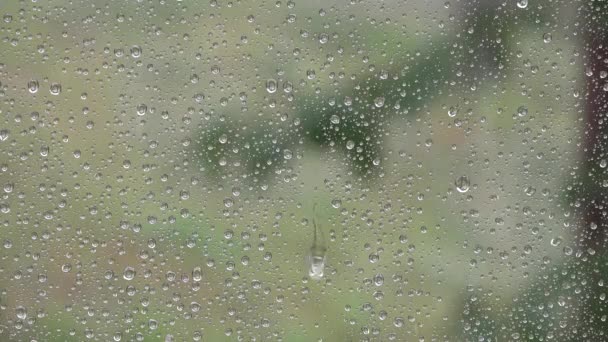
(167,137)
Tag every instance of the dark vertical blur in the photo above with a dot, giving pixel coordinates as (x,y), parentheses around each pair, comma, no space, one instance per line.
(593,195)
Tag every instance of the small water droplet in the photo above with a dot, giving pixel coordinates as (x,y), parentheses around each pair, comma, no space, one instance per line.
(522,111)
(271,86)
(522,3)
(530,191)
(135,51)
(4,134)
(452,112)
(142,109)
(323,38)
(55,89)
(33,86)
(462,184)
(556,241)
(128,273)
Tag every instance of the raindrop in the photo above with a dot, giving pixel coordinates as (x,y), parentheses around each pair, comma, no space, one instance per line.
(33,86)
(452,112)
(142,109)
(128,273)
(379,101)
(55,89)
(135,51)
(21,312)
(522,3)
(530,190)
(323,38)
(271,86)
(556,241)
(522,111)
(4,134)
(462,184)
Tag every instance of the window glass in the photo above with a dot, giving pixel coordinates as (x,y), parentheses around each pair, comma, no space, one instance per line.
(183,170)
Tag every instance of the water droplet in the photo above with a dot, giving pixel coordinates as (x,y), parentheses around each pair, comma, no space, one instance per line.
(530,191)
(556,241)
(379,101)
(374,258)
(323,38)
(135,51)
(522,3)
(197,274)
(350,144)
(33,86)
(452,112)
(55,89)
(316,266)
(547,37)
(522,111)
(378,279)
(462,184)
(142,109)
(271,86)
(4,134)
(21,312)
(128,273)
(334,119)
